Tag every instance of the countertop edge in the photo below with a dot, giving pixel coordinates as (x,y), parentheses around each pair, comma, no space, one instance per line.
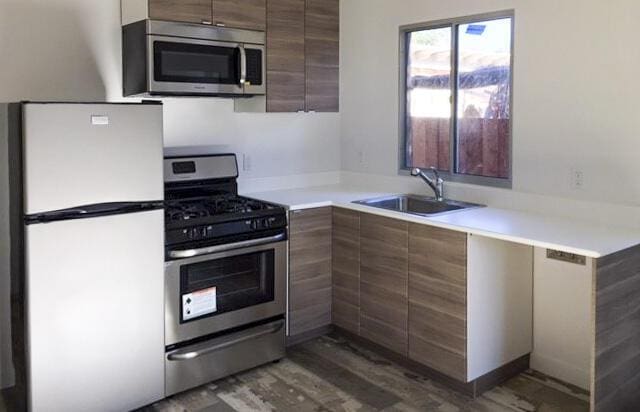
(606,240)
(427,221)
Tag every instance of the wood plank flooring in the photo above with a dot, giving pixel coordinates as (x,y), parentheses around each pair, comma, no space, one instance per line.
(333,374)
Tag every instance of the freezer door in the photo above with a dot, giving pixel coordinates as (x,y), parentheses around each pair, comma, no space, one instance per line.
(95,332)
(84,154)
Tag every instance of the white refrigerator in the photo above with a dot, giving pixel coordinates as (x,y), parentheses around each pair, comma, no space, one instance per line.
(93,250)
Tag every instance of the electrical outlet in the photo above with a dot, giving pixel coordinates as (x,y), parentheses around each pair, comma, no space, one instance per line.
(577,179)
(246,163)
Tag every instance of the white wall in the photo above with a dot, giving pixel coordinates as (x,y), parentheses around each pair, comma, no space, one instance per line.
(575,94)
(562,319)
(71,50)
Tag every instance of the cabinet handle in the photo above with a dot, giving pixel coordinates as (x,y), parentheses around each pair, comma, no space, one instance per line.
(207,22)
(221,25)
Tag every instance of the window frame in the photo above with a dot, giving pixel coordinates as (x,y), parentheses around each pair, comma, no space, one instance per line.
(404,152)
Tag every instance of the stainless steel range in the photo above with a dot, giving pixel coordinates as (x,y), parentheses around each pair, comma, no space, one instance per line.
(226,266)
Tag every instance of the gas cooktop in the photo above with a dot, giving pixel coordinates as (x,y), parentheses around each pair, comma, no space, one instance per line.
(203,207)
(214,207)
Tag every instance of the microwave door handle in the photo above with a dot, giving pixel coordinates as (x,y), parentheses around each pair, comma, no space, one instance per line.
(243,66)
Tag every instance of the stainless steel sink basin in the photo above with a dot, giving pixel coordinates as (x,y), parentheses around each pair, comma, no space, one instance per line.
(418,205)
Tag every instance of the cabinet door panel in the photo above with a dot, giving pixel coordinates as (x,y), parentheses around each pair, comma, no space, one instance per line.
(285,56)
(439,358)
(190,11)
(346,270)
(240,14)
(384,281)
(438,299)
(322,50)
(310,270)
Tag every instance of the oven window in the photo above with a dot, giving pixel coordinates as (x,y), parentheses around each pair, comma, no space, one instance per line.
(219,286)
(193,63)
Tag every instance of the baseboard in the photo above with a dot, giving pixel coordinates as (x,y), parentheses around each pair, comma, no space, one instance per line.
(472,389)
(309,335)
(561,370)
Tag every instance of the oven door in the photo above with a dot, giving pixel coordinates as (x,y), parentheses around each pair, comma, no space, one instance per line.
(190,66)
(215,292)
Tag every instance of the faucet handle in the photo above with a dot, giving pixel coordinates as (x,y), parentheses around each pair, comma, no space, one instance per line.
(416,171)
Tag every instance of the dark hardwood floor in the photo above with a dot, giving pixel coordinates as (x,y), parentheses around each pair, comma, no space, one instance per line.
(333,374)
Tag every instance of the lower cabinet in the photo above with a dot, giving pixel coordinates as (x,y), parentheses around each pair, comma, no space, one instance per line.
(309,270)
(438,299)
(459,304)
(346,270)
(384,262)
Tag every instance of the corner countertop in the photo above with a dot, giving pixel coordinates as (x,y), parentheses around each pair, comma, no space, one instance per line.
(567,235)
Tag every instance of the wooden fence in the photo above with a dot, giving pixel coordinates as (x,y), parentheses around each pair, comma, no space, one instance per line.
(483,145)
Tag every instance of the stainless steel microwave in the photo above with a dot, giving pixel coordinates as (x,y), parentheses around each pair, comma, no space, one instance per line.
(179,59)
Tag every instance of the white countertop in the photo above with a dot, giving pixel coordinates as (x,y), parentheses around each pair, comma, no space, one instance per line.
(572,236)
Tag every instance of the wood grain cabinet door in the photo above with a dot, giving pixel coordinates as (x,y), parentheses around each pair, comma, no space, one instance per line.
(438,299)
(346,270)
(285,56)
(309,270)
(383,281)
(189,11)
(240,14)
(322,51)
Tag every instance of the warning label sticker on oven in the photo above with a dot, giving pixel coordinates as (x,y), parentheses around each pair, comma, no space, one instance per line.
(200,303)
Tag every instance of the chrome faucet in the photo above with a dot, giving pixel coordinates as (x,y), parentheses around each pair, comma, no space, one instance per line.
(436,183)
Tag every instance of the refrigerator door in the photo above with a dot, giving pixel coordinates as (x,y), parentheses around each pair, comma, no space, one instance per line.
(95,313)
(85,154)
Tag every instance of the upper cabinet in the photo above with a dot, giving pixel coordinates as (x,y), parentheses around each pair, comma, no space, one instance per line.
(189,11)
(286,88)
(303,55)
(322,53)
(240,14)
(237,14)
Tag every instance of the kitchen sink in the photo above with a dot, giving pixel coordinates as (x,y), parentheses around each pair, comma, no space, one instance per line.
(418,205)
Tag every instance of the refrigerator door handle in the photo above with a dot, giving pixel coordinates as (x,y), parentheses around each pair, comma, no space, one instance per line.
(85,212)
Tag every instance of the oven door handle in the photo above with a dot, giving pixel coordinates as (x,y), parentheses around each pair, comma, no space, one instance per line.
(183,254)
(186,355)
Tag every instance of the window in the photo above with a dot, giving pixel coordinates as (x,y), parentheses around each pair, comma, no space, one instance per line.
(460,127)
